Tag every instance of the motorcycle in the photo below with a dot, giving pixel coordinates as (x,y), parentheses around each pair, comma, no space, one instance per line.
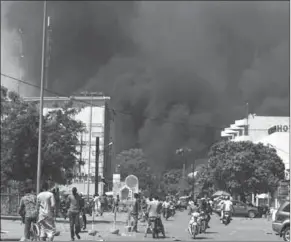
(156,227)
(172,211)
(202,218)
(194,227)
(64,209)
(226,218)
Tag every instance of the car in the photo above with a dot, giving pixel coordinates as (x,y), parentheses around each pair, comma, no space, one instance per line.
(243,209)
(281,224)
(239,209)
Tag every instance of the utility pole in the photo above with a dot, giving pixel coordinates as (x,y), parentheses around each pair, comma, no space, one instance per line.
(247,119)
(41,98)
(81,152)
(20,59)
(48,49)
(193,173)
(89,158)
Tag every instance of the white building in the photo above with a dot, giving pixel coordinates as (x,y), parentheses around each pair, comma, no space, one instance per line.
(272,131)
(101,127)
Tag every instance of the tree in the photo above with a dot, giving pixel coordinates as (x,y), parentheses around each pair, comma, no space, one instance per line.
(19,140)
(243,168)
(134,162)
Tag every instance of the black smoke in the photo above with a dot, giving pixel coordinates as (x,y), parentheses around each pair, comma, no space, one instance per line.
(194,64)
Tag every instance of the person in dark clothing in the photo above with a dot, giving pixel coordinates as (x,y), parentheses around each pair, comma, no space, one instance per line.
(134,212)
(74,213)
(83,210)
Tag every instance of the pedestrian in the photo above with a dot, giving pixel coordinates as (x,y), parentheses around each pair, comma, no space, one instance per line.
(58,201)
(73,201)
(96,203)
(102,203)
(46,213)
(134,213)
(83,210)
(28,210)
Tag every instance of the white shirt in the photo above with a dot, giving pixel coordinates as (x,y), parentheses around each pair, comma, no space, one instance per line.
(47,203)
(227,205)
(166,204)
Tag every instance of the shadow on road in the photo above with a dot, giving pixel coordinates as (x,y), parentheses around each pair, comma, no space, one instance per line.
(202,238)
(211,232)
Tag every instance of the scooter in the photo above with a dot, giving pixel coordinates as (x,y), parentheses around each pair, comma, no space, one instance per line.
(194,226)
(226,218)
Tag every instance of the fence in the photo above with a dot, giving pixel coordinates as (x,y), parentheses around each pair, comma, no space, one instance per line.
(9,203)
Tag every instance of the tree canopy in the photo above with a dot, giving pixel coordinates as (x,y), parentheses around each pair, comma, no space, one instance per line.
(242,168)
(134,162)
(19,140)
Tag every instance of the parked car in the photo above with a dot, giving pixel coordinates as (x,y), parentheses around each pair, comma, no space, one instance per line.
(239,209)
(281,225)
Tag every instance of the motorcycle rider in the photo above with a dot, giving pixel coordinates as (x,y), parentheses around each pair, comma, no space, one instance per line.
(194,216)
(227,206)
(154,210)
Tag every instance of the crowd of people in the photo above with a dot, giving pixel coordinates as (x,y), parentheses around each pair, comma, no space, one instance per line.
(44,208)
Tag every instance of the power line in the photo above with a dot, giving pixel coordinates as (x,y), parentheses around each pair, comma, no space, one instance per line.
(114,111)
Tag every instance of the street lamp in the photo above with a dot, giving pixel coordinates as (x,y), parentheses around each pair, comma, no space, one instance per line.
(183,152)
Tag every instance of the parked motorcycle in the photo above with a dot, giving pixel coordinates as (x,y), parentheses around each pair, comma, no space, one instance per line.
(64,209)
(226,218)
(156,227)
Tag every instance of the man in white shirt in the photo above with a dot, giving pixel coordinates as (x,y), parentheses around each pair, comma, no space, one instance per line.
(46,213)
(227,206)
(166,205)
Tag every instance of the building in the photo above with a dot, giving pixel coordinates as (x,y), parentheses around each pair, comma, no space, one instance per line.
(271,131)
(102,127)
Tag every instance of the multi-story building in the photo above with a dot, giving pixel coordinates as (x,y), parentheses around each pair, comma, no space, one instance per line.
(101,126)
(272,131)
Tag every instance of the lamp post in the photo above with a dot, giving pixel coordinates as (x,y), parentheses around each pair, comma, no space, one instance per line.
(183,152)
(41,96)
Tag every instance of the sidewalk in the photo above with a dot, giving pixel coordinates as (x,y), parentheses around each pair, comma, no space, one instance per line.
(107,218)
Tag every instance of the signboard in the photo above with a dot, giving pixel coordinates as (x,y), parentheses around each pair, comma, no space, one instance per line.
(116,178)
(284,189)
(278,128)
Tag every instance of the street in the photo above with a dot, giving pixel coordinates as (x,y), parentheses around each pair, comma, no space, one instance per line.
(240,229)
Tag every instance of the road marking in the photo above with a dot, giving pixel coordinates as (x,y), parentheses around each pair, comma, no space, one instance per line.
(233,232)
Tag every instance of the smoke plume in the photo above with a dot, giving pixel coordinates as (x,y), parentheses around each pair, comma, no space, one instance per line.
(194,64)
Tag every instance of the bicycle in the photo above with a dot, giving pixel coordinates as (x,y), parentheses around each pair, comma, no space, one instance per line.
(34,231)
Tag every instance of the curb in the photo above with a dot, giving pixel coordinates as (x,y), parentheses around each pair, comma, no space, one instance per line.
(61,220)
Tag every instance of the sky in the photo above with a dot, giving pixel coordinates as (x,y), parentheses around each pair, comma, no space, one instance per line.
(182,70)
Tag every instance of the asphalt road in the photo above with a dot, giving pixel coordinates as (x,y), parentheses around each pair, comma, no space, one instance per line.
(240,229)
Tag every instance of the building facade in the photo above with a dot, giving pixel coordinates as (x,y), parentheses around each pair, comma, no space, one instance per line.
(271,131)
(101,126)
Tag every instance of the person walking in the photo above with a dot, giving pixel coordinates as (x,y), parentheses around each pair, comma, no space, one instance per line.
(28,210)
(83,210)
(74,213)
(134,213)
(102,203)
(46,213)
(96,203)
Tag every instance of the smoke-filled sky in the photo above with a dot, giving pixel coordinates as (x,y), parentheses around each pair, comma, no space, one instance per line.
(196,62)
